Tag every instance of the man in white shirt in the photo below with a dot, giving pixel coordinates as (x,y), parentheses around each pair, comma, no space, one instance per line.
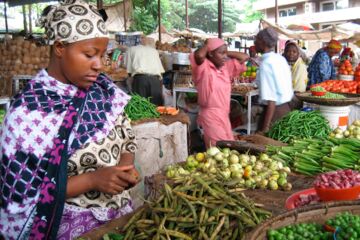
(273,79)
(144,65)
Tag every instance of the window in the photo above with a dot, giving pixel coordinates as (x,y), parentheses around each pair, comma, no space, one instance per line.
(334,5)
(285,12)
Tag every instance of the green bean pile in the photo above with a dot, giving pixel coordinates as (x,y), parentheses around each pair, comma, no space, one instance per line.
(300,124)
(196,208)
(140,108)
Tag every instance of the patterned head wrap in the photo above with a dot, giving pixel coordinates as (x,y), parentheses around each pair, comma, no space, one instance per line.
(72,21)
(333,44)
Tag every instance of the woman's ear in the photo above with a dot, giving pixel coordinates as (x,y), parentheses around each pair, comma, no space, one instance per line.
(58,48)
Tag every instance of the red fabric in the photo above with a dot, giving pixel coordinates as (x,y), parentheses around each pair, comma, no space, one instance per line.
(214,43)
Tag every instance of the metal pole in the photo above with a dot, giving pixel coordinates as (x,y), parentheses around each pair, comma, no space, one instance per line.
(159,20)
(6,20)
(220,18)
(30,22)
(124,15)
(99,4)
(276,11)
(186,14)
(276,21)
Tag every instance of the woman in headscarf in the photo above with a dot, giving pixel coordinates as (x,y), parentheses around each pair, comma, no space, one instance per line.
(298,67)
(213,68)
(321,67)
(67,148)
(274,80)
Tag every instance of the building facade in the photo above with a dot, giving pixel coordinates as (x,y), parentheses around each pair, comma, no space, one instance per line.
(319,13)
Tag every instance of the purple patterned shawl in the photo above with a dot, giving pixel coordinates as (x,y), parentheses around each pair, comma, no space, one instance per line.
(46,123)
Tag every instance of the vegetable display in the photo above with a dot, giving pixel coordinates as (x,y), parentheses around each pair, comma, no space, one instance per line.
(352,131)
(343,226)
(195,208)
(299,124)
(302,231)
(140,108)
(340,86)
(235,169)
(332,96)
(313,156)
(338,179)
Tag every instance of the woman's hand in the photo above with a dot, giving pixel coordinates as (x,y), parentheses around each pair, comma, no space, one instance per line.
(113,180)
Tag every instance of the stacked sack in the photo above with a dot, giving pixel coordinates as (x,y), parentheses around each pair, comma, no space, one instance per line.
(20,57)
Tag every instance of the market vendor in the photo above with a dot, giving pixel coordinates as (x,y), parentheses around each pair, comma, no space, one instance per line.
(213,67)
(273,79)
(254,59)
(144,65)
(67,147)
(298,67)
(321,67)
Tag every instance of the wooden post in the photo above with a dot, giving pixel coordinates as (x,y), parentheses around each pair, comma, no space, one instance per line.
(24,17)
(159,20)
(99,4)
(186,14)
(276,11)
(124,7)
(220,18)
(6,20)
(30,21)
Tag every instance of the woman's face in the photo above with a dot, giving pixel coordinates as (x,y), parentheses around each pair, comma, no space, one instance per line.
(292,53)
(218,56)
(81,62)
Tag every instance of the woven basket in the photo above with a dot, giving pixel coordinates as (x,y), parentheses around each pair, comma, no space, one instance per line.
(349,100)
(318,213)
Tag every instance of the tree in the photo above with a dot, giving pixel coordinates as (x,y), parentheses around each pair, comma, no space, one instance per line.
(204,15)
(250,14)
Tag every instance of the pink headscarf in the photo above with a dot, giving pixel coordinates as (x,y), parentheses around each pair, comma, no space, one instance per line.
(214,43)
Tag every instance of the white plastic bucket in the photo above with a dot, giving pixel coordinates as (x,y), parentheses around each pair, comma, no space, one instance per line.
(337,116)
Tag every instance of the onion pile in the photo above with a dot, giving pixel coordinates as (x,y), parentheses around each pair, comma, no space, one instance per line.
(338,179)
(20,57)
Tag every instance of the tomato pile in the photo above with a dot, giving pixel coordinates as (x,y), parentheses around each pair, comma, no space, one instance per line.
(346,68)
(340,86)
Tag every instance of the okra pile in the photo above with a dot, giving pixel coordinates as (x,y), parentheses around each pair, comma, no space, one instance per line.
(140,108)
(300,124)
(314,156)
(195,208)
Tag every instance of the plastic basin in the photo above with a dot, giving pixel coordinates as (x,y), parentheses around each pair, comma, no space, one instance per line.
(330,194)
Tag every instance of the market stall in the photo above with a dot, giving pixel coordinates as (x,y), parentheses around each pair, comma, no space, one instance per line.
(272,177)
